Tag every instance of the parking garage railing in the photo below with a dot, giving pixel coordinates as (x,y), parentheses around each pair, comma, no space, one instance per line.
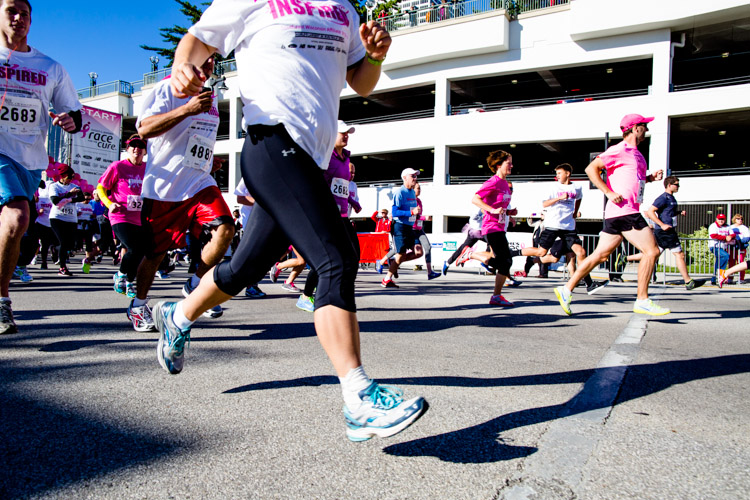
(461,8)
(698,257)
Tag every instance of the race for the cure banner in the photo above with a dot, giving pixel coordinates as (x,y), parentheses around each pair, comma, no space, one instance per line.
(97,144)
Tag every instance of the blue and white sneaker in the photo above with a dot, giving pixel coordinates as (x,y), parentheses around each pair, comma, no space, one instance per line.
(383,413)
(254,291)
(378,267)
(214,312)
(119,280)
(22,274)
(130,289)
(306,303)
(171,348)
(445,268)
(432,275)
(188,288)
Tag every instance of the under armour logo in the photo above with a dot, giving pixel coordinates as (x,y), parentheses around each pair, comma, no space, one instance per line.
(290,152)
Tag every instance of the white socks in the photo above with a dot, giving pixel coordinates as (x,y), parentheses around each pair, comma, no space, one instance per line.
(351,384)
(138,302)
(179,318)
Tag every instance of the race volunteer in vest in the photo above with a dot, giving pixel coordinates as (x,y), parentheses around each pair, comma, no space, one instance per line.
(119,189)
(29,82)
(64,217)
(290,95)
(179,194)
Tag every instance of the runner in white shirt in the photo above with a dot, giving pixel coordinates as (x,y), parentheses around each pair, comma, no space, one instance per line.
(290,92)
(63,216)
(47,236)
(29,82)
(180,196)
(561,204)
(87,227)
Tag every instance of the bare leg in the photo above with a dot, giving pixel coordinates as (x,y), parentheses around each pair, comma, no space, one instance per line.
(145,276)
(682,266)
(742,266)
(338,333)
(607,244)
(643,240)
(215,249)
(14,220)
(499,282)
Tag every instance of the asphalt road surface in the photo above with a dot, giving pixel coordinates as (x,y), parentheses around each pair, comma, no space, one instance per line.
(525,402)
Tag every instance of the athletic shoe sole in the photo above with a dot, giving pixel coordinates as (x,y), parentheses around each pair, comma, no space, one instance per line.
(359,434)
(598,289)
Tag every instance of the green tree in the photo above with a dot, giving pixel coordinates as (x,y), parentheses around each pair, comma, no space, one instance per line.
(173,35)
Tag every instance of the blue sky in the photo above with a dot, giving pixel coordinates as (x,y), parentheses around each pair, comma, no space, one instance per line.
(101,36)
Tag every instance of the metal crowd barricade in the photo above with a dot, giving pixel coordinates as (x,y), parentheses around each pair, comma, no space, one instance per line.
(699,259)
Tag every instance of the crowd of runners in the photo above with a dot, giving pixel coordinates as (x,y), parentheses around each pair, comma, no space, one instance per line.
(160,202)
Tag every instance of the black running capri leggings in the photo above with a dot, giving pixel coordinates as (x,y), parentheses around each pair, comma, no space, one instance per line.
(293,204)
(134,239)
(66,236)
(502,260)
(311,283)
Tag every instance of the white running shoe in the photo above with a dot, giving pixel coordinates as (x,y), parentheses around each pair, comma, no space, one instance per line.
(565,298)
(141,318)
(649,307)
(383,412)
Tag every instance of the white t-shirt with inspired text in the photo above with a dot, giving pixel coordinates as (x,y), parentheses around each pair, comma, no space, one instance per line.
(29,82)
(292,59)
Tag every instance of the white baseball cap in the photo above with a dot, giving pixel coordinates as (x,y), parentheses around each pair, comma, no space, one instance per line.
(408,171)
(344,128)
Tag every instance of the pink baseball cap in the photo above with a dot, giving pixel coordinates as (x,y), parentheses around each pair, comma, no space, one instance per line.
(631,120)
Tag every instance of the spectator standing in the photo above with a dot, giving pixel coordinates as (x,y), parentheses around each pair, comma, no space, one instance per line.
(738,251)
(722,237)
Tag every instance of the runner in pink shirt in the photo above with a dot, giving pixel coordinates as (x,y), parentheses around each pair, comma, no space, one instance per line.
(626,179)
(120,190)
(494,198)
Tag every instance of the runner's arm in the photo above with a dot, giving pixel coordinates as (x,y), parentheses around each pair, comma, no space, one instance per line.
(478,201)
(363,76)
(187,77)
(70,122)
(248,201)
(593,171)
(651,214)
(156,125)
(103,196)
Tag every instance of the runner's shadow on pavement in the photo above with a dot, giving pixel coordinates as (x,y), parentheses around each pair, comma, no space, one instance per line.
(483,443)
(45,447)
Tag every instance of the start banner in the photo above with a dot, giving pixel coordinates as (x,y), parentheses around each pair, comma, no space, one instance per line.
(97,145)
